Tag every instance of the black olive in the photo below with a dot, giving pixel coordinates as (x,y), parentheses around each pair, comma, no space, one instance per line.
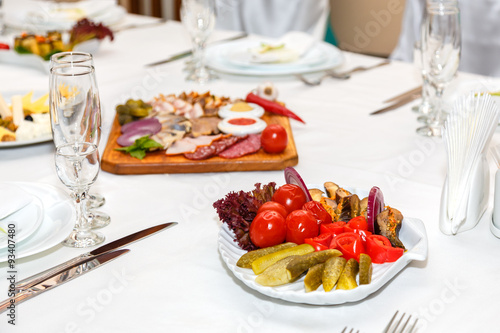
(29,118)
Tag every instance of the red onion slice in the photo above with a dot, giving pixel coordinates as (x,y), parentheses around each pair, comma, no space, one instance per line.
(293,177)
(152,124)
(127,139)
(375,206)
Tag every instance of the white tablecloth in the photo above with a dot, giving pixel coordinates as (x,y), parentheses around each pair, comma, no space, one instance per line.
(176,281)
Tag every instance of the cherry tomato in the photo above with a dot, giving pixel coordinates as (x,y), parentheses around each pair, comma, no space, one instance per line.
(277,207)
(318,211)
(291,196)
(268,228)
(358,222)
(274,139)
(4,46)
(301,224)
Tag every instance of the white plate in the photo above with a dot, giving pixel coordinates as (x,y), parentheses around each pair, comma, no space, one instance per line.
(412,234)
(321,57)
(58,221)
(26,221)
(25,60)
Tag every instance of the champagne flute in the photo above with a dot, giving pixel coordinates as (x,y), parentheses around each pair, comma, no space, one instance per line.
(424,108)
(80,60)
(198,16)
(441,39)
(77,166)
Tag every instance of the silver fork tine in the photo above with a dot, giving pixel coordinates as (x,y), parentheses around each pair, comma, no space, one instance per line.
(399,322)
(351,331)
(412,329)
(386,330)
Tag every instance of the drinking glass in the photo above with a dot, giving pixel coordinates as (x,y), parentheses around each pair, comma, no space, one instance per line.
(198,16)
(77,166)
(441,39)
(85,59)
(424,108)
(75,113)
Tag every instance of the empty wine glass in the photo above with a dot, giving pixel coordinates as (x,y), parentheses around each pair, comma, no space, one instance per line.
(424,108)
(441,39)
(198,16)
(84,59)
(77,166)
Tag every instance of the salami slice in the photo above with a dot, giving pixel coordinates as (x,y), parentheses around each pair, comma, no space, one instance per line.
(248,146)
(213,149)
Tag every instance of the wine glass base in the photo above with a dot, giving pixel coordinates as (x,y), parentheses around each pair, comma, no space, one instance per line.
(430,131)
(423,119)
(202,76)
(83,239)
(98,219)
(95,200)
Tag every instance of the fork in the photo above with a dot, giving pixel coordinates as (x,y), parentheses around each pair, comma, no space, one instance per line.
(342,76)
(394,329)
(345,330)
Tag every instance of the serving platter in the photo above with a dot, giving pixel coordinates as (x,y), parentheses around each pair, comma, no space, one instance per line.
(156,162)
(412,234)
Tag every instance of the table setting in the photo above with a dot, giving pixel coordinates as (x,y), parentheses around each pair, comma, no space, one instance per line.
(326,147)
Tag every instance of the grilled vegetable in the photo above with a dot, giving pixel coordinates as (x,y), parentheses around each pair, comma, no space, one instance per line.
(365,269)
(248,258)
(260,265)
(276,275)
(332,271)
(313,278)
(316,194)
(301,264)
(388,224)
(347,279)
(331,188)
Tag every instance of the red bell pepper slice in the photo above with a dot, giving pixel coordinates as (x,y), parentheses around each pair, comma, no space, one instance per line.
(272,107)
(321,242)
(332,228)
(358,222)
(363,233)
(379,248)
(350,244)
(318,211)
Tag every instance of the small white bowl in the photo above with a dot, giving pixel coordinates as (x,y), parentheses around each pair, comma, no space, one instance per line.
(227,125)
(226,112)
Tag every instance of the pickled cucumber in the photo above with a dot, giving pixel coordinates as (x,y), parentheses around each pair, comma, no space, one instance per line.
(248,258)
(133,109)
(275,275)
(303,263)
(259,265)
(331,274)
(347,279)
(365,269)
(313,278)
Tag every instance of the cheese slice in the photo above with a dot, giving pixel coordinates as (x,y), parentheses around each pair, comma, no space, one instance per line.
(4,109)
(17,110)
(6,134)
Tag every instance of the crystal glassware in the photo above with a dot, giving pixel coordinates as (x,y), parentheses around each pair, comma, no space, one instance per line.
(441,44)
(198,17)
(94,200)
(75,113)
(424,108)
(77,166)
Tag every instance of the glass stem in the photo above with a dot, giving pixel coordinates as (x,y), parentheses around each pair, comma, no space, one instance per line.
(82,222)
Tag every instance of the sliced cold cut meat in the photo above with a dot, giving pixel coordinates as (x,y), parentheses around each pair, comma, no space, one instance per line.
(248,146)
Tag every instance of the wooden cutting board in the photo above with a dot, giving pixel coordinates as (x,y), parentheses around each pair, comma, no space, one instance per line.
(120,163)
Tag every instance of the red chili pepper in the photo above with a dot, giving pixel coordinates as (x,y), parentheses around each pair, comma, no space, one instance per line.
(350,244)
(379,248)
(4,46)
(318,211)
(272,107)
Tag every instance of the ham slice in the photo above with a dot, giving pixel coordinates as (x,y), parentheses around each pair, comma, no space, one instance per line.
(189,145)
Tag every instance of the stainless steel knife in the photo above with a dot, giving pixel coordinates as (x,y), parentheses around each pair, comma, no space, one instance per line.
(404,95)
(37,278)
(189,52)
(63,276)
(397,104)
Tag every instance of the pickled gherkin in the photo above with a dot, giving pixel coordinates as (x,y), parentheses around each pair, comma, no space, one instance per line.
(331,274)
(259,265)
(248,258)
(365,269)
(303,263)
(275,275)
(347,279)
(313,278)
(133,109)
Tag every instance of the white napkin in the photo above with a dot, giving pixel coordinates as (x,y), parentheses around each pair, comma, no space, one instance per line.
(290,47)
(12,199)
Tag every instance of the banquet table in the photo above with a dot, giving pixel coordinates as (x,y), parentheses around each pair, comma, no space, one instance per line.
(176,280)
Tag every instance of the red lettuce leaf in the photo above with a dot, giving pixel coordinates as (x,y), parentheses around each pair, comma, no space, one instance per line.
(238,209)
